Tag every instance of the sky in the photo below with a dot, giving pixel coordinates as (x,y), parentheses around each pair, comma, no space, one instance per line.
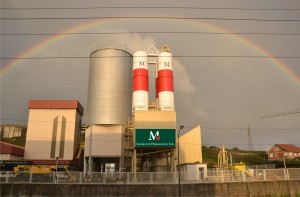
(234,61)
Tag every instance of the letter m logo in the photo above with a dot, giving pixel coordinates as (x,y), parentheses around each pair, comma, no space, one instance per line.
(166,64)
(142,64)
(153,136)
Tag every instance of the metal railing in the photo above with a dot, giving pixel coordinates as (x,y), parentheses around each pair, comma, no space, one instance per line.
(153,177)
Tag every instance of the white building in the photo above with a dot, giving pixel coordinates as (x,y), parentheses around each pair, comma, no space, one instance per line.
(53,131)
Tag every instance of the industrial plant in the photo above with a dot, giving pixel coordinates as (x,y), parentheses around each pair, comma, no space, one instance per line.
(124,131)
(126,138)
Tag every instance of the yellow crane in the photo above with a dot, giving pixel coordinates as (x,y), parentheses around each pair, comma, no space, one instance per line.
(43,169)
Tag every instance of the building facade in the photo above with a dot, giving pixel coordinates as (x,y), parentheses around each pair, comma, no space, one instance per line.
(53,131)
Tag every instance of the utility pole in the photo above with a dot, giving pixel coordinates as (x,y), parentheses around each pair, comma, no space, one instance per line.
(250,145)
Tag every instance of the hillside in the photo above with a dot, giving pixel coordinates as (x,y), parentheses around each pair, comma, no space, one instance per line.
(210,156)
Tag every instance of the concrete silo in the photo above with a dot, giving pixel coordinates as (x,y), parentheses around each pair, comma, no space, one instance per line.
(109,93)
(164,81)
(140,87)
(108,106)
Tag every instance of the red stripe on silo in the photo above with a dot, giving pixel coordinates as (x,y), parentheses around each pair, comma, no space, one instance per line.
(165,84)
(156,87)
(165,73)
(165,81)
(140,79)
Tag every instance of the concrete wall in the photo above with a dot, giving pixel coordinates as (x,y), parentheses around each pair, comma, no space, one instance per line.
(190,146)
(267,188)
(191,171)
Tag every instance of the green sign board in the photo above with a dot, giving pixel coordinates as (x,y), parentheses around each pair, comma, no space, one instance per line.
(155,138)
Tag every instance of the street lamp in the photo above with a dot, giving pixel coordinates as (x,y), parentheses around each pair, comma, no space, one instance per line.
(56,164)
(180,128)
(56,178)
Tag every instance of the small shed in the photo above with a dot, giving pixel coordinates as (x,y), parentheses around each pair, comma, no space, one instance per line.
(193,171)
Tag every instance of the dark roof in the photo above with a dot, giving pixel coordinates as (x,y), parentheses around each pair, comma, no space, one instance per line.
(56,104)
(7,148)
(289,147)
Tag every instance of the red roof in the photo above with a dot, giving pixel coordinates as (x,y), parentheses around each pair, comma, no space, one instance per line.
(7,148)
(56,104)
(289,148)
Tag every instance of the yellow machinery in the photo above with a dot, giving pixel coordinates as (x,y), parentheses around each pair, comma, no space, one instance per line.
(242,167)
(238,166)
(224,165)
(223,158)
(43,169)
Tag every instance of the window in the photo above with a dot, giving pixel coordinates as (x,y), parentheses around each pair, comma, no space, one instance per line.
(17,132)
(290,154)
(6,132)
(285,154)
(271,155)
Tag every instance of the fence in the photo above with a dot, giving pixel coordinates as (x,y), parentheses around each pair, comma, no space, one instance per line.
(264,166)
(153,177)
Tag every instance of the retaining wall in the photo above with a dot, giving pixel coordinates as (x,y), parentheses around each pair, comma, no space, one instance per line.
(261,189)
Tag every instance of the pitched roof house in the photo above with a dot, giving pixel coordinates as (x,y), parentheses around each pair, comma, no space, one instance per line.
(280,151)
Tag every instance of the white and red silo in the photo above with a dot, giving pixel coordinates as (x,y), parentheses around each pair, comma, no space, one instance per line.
(164,81)
(140,86)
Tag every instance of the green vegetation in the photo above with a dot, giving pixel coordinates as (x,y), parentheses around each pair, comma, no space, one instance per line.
(210,156)
(290,163)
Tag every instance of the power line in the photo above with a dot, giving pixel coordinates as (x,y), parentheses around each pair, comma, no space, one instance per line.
(151,7)
(101,140)
(294,111)
(202,127)
(178,56)
(150,17)
(242,128)
(150,32)
(178,92)
(215,144)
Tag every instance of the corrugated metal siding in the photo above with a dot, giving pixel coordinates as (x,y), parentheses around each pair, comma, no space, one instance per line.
(110,89)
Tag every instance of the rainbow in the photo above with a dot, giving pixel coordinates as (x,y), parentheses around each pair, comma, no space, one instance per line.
(52,39)
(279,64)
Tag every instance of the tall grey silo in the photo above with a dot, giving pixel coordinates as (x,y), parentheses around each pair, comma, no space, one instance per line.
(110,91)
(108,107)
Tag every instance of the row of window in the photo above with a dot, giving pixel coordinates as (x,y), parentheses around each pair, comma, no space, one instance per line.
(290,154)
(12,131)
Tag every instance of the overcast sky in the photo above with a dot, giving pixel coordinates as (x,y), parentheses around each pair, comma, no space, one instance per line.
(227,83)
